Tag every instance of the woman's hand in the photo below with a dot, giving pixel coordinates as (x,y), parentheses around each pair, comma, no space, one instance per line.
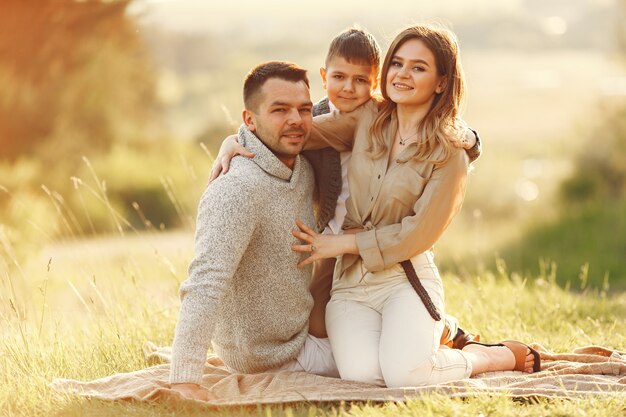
(467,141)
(230,147)
(322,246)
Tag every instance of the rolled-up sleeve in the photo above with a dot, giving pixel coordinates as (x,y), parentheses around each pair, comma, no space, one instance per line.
(433,211)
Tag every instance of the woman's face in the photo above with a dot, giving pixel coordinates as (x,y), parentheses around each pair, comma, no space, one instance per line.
(412,78)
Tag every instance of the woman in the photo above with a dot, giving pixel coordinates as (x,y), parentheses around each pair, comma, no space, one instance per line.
(407,182)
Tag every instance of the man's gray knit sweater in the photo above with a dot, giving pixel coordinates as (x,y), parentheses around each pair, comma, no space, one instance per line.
(245,293)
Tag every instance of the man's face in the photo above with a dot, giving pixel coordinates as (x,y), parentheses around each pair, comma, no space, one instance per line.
(283,118)
(348,85)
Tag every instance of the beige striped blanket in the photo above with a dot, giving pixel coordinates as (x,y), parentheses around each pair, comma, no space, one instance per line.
(590,370)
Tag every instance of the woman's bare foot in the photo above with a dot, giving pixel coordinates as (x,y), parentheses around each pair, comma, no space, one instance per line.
(498,358)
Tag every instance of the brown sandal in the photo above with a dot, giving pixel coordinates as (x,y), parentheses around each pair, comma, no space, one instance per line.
(462,338)
(519,352)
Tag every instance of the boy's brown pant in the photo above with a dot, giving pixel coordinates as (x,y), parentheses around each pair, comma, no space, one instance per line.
(321,284)
(320,289)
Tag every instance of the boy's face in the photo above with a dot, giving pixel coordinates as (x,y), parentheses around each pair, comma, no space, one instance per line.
(348,85)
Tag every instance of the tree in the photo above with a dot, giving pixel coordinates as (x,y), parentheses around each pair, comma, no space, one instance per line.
(74,77)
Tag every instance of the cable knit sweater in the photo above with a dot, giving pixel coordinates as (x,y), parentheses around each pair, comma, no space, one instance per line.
(244,292)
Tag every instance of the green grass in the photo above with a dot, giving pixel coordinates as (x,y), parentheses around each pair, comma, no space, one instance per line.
(584,245)
(587,244)
(88,312)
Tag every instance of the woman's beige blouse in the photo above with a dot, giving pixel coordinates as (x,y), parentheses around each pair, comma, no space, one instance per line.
(405,207)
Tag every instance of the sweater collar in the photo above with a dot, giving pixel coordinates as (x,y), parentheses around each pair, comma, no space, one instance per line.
(266,159)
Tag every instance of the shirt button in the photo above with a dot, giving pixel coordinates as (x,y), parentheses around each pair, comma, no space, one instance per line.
(372,199)
(378,176)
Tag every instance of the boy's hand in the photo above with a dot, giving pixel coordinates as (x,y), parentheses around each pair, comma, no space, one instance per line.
(192,391)
(230,147)
(467,141)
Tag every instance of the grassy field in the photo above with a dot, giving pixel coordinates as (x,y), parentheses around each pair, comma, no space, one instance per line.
(579,242)
(84,310)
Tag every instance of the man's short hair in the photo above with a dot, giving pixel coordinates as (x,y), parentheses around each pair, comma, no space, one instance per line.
(355,46)
(261,73)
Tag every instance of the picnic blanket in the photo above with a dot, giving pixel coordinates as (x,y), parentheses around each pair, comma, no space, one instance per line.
(590,370)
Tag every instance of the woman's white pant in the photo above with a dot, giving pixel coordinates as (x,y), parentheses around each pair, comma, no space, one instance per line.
(381,333)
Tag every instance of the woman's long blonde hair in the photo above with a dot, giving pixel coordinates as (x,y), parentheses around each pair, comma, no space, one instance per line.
(440,123)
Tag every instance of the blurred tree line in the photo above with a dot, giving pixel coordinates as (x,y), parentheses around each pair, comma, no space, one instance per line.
(588,242)
(600,170)
(599,176)
(74,78)
(81,151)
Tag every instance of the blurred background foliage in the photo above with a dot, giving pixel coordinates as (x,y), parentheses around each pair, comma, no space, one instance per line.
(82,148)
(104,106)
(586,243)
(74,77)
(587,240)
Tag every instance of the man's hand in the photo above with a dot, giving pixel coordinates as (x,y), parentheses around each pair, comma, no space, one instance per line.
(192,391)
(230,147)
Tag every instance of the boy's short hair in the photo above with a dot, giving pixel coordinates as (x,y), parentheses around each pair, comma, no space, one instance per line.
(355,46)
(259,75)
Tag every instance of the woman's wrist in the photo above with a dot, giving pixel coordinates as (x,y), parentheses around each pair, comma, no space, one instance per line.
(348,244)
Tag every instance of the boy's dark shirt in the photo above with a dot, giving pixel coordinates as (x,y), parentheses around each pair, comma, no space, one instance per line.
(327,167)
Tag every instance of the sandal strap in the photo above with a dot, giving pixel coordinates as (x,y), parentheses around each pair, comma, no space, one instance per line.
(519,352)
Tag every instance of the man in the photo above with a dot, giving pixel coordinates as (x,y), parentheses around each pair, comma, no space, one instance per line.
(244,294)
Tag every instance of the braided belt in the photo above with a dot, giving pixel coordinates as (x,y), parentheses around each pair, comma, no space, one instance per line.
(409,270)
